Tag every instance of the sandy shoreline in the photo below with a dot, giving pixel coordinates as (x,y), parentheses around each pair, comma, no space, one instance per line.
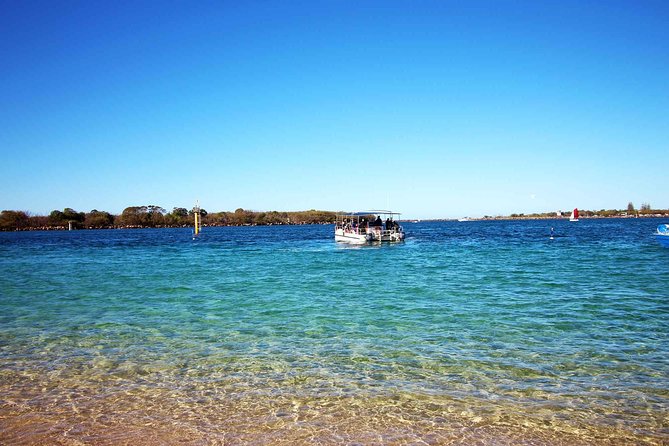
(137,414)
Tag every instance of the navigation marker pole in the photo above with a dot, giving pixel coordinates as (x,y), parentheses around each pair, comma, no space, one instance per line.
(196,214)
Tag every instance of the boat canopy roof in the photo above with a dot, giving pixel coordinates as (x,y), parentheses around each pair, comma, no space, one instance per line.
(370,212)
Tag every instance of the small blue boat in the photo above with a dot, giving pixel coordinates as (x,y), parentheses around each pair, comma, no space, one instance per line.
(662,235)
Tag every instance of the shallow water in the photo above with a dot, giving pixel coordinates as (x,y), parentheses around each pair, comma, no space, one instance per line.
(467,333)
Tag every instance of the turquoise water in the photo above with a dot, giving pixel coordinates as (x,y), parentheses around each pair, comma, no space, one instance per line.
(467,333)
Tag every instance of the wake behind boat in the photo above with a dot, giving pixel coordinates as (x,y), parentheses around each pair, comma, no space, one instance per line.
(368,227)
(662,235)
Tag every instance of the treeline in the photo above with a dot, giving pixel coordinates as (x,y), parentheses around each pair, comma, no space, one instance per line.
(155,217)
(602,213)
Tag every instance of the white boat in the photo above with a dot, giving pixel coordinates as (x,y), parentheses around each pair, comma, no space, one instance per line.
(368,227)
(574,215)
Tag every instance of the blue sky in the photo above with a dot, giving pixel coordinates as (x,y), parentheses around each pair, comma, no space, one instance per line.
(433,108)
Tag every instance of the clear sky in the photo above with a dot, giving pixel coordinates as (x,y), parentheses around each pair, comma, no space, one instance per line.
(433,108)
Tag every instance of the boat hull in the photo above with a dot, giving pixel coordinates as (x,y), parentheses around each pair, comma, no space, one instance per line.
(370,237)
(387,236)
(355,239)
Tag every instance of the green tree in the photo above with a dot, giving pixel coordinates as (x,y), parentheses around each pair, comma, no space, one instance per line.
(13,220)
(65,217)
(241,217)
(56,218)
(70,214)
(180,212)
(38,221)
(219,218)
(155,216)
(133,216)
(178,217)
(98,219)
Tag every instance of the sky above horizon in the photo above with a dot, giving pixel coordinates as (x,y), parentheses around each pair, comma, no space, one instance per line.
(436,109)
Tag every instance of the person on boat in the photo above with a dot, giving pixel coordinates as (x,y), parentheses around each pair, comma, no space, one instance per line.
(389,224)
(378,221)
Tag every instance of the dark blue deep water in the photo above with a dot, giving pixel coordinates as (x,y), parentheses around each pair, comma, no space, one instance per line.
(467,333)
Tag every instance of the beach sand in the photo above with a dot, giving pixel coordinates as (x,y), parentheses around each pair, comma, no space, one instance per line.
(151,413)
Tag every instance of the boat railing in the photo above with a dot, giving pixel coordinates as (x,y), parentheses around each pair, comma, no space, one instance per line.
(392,231)
(352,228)
(365,229)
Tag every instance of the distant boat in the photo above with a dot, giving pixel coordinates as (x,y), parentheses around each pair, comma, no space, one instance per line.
(662,235)
(574,215)
(463,219)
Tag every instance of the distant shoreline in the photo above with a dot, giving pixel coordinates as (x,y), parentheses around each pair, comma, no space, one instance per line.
(501,218)
(427,220)
(111,228)
(142,217)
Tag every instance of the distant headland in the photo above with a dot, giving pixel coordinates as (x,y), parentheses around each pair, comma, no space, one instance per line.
(645,211)
(152,216)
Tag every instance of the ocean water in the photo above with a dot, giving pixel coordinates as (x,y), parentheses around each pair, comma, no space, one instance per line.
(485,333)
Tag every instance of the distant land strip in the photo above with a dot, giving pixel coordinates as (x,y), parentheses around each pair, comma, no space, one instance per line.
(157,217)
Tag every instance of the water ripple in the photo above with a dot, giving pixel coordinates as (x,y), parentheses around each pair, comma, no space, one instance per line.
(478,332)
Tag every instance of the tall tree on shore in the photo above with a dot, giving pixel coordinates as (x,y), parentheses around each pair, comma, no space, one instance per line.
(65,217)
(13,220)
(180,212)
(133,216)
(178,217)
(56,218)
(98,219)
(156,216)
(70,214)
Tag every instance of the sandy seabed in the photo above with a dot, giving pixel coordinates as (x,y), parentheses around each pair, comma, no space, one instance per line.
(136,416)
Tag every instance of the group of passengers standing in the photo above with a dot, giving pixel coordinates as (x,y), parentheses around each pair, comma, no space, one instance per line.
(378,223)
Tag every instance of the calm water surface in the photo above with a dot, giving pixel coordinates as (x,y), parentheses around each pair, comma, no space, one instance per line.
(468,333)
